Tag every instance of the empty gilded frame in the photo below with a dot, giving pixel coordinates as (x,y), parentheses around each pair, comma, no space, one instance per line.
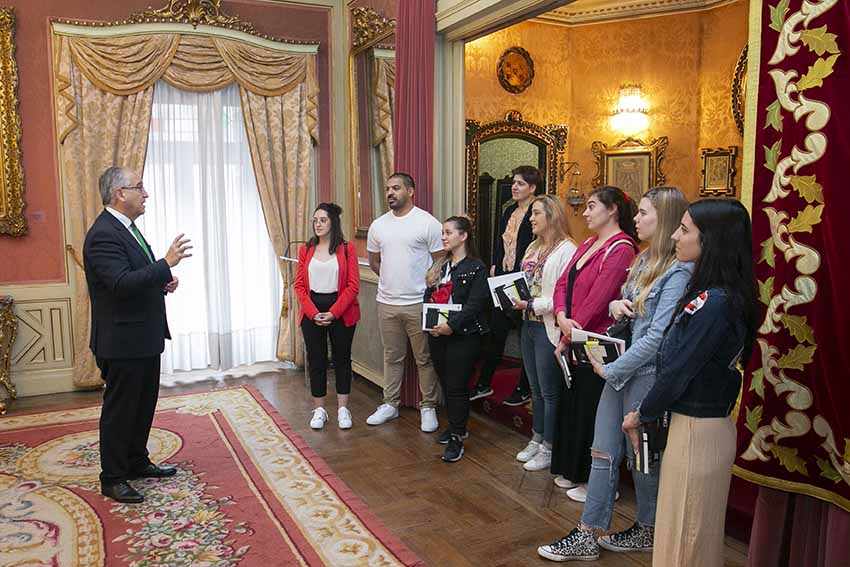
(12,220)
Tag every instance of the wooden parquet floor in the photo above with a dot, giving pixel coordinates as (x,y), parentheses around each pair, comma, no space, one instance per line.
(483,511)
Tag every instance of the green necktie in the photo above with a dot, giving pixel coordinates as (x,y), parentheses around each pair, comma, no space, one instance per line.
(135,230)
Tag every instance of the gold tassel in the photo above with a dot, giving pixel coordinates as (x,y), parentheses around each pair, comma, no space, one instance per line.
(70,249)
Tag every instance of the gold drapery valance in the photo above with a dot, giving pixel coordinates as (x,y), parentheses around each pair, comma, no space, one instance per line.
(128,64)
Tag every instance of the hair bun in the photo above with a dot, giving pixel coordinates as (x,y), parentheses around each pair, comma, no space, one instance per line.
(331,208)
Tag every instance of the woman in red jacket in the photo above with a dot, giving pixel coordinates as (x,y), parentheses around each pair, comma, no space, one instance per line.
(326,283)
(592,280)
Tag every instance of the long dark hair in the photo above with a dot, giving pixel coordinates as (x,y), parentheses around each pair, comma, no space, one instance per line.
(336,237)
(611,196)
(462,224)
(725,261)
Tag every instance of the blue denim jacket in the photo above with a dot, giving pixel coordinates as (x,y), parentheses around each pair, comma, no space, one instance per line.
(697,372)
(648,329)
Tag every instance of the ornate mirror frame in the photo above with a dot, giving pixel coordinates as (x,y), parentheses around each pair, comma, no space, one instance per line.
(651,153)
(552,137)
(12,219)
(369,29)
(739,90)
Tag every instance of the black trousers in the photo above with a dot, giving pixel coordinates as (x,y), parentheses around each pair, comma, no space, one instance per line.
(316,342)
(494,346)
(129,402)
(454,358)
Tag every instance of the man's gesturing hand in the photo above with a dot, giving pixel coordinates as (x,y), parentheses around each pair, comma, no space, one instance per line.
(178,250)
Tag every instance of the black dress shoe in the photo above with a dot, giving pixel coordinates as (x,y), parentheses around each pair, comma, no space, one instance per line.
(154,471)
(121,492)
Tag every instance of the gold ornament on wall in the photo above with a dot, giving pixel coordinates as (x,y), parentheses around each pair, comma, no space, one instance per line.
(739,90)
(515,70)
(631,164)
(718,172)
(368,26)
(12,220)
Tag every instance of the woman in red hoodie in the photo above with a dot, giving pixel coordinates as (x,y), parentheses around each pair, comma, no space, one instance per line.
(326,283)
(592,280)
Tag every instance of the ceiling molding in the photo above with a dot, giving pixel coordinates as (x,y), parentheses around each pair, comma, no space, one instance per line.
(469,19)
(596,11)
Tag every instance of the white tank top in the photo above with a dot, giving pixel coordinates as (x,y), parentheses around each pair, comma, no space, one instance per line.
(324,276)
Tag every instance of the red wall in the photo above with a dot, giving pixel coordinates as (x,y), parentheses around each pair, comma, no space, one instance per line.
(38,257)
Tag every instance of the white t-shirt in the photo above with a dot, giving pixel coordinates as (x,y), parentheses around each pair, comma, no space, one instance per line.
(405,245)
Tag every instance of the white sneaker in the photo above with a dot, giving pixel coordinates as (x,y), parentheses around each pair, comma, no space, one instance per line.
(579,494)
(383,414)
(530,450)
(320,416)
(562,482)
(540,461)
(343,418)
(429,420)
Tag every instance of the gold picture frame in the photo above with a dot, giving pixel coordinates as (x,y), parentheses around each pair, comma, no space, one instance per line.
(739,90)
(717,178)
(12,219)
(631,164)
(515,70)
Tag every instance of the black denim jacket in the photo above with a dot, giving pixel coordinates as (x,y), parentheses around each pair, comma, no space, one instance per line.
(469,289)
(696,370)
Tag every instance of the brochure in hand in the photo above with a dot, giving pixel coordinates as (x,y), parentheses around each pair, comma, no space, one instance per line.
(435,313)
(507,289)
(652,438)
(583,344)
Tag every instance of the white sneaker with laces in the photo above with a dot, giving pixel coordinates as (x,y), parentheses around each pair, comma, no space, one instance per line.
(343,418)
(541,461)
(579,494)
(320,416)
(562,482)
(429,420)
(383,414)
(530,450)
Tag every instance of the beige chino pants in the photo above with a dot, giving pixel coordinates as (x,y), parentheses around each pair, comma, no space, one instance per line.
(398,323)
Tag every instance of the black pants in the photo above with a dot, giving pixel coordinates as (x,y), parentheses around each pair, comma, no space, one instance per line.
(316,341)
(129,402)
(454,360)
(494,346)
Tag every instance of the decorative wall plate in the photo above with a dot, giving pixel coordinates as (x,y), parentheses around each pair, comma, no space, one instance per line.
(515,70)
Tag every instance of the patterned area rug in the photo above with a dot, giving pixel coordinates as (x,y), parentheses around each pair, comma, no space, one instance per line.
(249,492)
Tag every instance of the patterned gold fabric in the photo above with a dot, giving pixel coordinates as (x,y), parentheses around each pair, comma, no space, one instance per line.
(104,92)
(382,113)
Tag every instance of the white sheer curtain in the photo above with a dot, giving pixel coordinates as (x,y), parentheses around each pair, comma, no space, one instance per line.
(201,182)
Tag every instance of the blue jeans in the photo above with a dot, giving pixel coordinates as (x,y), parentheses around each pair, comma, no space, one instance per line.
(538,356)
(609,440)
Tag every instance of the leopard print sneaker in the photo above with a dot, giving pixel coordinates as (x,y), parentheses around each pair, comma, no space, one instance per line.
(578,545)
(636,538)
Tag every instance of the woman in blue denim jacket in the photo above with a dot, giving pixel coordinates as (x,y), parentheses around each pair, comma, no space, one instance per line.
(698,381)
(655,284)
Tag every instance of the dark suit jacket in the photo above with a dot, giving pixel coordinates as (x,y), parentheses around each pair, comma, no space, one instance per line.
(523,239)
(126,291)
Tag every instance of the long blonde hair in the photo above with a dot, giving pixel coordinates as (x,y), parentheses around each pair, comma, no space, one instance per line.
(670,204)
(556,218)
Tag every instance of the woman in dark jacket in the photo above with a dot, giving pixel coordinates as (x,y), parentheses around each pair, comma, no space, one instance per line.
(458,278)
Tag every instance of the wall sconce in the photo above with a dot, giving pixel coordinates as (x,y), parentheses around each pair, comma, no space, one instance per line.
(575,198)
(631,116)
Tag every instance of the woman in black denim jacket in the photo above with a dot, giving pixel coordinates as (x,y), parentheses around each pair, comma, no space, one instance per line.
(698,381)
(459,278)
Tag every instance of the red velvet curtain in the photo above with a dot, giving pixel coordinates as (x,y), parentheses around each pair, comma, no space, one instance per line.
(413,120)
(793,426)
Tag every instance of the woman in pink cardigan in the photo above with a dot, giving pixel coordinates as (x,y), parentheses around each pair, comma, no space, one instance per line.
(592,280)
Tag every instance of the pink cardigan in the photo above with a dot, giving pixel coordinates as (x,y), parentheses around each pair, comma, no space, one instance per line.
(597,283)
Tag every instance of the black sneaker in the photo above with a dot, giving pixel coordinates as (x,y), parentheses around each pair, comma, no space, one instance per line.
(577,545)
(454,449)
(443,438)
(480,391)
(517,398)
(636,538)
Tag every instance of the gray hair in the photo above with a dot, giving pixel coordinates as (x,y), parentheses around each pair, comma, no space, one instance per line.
(110,180)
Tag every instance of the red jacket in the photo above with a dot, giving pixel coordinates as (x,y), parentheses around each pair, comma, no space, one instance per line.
(597,283)
(346,307)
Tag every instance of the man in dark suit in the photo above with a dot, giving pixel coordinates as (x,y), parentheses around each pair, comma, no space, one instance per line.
(127,287)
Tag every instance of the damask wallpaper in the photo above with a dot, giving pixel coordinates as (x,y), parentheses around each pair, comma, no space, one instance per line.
(684,63)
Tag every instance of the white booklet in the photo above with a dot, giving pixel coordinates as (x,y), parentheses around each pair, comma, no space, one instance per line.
(602,347)
(508,288)
(435,313)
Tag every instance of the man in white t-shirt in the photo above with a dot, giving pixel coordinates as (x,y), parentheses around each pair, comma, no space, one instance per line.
(402,244)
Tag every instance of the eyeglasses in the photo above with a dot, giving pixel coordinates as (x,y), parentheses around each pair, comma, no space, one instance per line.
(140,188)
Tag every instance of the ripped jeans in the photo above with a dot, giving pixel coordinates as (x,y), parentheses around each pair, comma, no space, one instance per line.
(609,439)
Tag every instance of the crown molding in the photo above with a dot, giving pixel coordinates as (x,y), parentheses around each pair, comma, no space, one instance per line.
(596,11)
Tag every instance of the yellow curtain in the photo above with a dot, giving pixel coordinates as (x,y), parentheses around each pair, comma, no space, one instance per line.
(382,113)
(104,95)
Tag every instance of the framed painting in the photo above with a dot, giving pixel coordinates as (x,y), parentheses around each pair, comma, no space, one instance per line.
(631,164)
(12,220)
(718,172)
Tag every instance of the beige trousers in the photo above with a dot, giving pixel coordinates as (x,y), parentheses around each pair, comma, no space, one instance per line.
(398,323)
(696,470)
